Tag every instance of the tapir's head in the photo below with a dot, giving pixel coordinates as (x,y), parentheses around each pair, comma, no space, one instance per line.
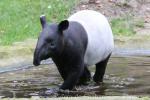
(50,42)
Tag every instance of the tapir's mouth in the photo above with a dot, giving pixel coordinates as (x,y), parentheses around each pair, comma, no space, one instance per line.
(36,62)
(39,56)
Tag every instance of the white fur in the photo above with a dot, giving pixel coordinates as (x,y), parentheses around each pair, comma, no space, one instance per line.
(100,37)
(42,16)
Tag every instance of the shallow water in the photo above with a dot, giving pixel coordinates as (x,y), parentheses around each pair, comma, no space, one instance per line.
(128,73)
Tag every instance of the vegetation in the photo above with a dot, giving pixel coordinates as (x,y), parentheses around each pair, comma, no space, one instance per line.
(125,26)
(121,26)
(19,19)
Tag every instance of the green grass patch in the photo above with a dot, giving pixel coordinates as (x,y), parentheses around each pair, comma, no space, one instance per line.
(122,26)
(126,26)
(19,19)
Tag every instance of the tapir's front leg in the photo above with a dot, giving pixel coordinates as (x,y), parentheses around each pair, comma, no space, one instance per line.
(63,72)
(73,76)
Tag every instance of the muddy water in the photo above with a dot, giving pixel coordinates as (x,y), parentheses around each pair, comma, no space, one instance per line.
(128,73)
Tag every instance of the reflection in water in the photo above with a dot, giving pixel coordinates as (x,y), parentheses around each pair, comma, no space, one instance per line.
(125,75)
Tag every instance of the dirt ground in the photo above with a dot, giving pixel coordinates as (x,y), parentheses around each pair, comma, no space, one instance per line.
(137,9)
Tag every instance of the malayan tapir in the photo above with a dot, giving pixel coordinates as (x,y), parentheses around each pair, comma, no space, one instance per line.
(84,39)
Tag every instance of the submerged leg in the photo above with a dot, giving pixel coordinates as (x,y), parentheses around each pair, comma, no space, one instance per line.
(100,70)
(73,76)
(85,77)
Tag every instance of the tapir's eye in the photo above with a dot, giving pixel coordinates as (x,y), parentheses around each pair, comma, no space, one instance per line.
(52,44)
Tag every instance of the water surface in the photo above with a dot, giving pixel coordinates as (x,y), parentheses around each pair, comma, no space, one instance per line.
(128,73)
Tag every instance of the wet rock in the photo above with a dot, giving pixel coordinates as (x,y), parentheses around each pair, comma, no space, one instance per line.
(51,91)
(34,94)
(130,79)
(2,97)
(117,86)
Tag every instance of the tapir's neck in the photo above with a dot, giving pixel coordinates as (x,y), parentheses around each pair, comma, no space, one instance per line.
(74,44)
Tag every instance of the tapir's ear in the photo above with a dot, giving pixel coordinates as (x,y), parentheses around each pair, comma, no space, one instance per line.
(43,20)
(63,25)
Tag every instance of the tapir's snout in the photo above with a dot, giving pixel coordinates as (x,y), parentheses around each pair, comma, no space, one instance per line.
(39,55)
(36,60)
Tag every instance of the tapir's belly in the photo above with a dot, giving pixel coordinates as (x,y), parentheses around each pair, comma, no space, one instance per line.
(100,38)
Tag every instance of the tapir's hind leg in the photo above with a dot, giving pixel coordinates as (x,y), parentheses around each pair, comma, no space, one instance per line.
(85,77)
(100,70)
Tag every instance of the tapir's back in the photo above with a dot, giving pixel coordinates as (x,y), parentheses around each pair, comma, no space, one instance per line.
(100,38)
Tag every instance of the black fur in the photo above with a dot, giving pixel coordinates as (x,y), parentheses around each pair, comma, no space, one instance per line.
(67,51)
(85,77)
(63,25)
(71,61)
(100,70)
(43,21)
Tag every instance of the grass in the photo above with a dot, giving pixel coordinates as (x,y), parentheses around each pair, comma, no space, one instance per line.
(19,19)
(121,26)
(126,26)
